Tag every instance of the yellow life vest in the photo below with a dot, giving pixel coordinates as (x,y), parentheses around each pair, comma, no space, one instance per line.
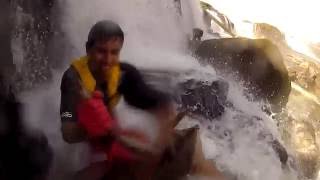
(112,78)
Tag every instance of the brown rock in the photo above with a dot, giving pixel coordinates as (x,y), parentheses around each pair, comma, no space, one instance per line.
(258,62)
(302,69)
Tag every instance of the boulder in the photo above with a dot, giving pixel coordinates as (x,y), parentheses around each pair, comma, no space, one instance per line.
(258,63)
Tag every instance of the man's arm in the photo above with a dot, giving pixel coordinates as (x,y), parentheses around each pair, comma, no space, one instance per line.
(72,132)
(138,93)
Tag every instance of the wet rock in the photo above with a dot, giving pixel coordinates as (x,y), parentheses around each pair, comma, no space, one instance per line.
(33,32)
(258,62)
(6,64)
(307,152)
(30,35)
(200,98)
(299,129)
(203,99)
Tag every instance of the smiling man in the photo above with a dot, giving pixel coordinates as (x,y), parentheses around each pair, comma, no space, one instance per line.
(92,86)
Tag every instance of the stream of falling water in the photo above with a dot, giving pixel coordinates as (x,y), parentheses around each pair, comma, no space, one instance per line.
(155,38)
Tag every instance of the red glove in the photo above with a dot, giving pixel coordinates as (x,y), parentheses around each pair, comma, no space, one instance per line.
(94,116)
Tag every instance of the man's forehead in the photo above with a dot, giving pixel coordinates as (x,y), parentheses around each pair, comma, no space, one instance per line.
(112,40)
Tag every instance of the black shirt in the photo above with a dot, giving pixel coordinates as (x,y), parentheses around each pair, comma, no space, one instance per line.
(135,90)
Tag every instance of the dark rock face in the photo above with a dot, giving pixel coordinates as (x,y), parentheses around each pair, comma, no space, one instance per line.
(6,60)
(32,32)
(23,155)
(40,10)
(257,62)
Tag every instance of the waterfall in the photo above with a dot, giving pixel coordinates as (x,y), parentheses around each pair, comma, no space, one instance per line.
(155,38)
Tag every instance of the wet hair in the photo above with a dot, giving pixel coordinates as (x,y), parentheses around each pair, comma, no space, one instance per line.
(104,30)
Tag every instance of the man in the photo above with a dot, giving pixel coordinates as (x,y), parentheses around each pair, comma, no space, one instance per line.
(91,88)
(101,71)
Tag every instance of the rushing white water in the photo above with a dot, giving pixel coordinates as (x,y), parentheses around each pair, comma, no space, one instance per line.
(155,38)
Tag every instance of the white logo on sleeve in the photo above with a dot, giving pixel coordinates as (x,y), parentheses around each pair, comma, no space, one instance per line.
(66,115)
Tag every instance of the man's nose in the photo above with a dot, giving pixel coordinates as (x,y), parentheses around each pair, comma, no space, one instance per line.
(107,59)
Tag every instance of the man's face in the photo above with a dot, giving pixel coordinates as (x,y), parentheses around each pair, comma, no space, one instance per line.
(104,54)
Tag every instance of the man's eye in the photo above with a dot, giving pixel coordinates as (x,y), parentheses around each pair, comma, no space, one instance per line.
(100,50)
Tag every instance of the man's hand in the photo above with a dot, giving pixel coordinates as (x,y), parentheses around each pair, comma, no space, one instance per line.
(93,115)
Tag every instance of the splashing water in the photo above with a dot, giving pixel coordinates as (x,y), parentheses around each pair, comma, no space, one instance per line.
(155,38)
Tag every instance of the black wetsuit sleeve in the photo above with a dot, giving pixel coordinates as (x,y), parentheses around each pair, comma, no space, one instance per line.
(137,92)
(70,88)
